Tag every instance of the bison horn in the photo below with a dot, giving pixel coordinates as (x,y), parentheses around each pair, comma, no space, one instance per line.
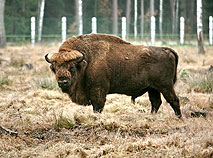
(47,59)
(80,59)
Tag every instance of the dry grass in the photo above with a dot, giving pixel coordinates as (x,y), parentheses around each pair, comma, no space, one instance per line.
(50,125)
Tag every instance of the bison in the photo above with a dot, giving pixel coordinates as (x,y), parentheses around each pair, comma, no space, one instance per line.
(88,67)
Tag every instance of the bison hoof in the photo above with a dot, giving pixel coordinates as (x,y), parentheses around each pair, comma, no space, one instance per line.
(179,116)
(97,110)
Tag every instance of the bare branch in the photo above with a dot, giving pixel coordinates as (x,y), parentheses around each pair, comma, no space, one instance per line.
(7,131)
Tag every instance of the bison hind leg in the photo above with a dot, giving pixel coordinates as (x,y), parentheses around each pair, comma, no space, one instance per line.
(172,99)
(155,99)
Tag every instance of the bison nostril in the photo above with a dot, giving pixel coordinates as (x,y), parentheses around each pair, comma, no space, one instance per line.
(59,83)
(65,81)
(62,83)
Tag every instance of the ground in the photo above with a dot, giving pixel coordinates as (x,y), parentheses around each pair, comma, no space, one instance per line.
(50,125)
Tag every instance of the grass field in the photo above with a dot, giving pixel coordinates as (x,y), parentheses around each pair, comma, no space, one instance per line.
(50,125)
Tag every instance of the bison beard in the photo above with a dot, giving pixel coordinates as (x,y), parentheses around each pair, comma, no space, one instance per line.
(88,67)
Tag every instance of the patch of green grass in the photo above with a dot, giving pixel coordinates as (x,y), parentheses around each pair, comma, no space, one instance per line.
(4,80)
(183,100)
(202,83)
(63,122)
(198,82)
(184,75)
(47,83)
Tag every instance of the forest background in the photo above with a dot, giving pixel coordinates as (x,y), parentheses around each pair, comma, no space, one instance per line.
(19,12)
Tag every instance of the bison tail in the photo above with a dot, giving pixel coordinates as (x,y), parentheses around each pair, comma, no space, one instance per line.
(176,61)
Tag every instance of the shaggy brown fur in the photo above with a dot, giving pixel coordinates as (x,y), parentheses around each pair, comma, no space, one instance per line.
(112,65)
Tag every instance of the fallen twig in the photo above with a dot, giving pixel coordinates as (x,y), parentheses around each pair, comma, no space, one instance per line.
(7,131)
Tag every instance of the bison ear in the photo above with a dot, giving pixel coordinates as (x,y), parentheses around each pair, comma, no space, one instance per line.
(81,67)
(80,59)
(52,68)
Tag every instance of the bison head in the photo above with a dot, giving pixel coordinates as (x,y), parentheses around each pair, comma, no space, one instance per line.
(68,67)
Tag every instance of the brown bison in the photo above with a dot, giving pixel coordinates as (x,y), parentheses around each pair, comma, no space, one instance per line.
(88,67)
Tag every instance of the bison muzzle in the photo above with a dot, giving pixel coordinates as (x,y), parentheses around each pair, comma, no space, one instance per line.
(88,67)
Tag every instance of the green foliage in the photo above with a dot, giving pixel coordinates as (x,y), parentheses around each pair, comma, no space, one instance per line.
(184,75)
(18,13)
(17,16)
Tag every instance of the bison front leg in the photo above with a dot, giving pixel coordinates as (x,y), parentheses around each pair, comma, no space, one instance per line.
(98,99)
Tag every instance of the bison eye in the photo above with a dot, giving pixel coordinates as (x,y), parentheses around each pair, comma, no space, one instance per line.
(52,68)
(72,68)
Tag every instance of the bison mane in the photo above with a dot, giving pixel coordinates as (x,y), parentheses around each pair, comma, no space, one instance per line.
(85,40)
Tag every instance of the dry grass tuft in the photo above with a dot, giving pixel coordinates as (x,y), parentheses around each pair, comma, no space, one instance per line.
(17,61)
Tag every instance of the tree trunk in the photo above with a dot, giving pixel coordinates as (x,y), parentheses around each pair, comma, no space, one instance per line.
(95,9)
(76,12)
(142,18)
(192,15)
(161,19)
(79,13)
(176,16)
(2,28)
(184,9)
(200,27)
(115,17)
(40,20)
(135,18)
(200,43)
(128,10)
(172,6)
(151,8)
